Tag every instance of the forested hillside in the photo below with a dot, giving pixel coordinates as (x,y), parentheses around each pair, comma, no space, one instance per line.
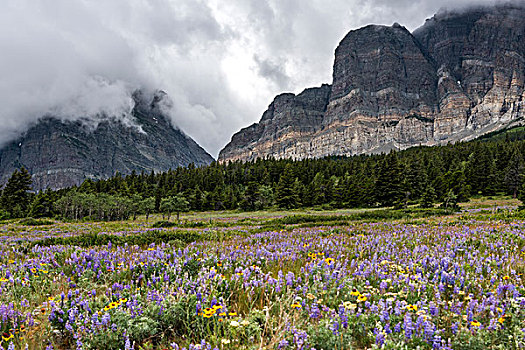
(421,175)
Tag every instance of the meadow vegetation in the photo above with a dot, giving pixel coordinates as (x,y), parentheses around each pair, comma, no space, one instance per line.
(303,279)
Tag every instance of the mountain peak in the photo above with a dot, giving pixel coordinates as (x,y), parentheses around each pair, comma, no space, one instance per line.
(457,77)
(60,153)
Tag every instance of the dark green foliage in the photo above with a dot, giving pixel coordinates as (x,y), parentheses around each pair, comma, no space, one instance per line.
(42,205)
(421,175)
(370,215)
(16,197)
(286,190)
(146,238)
(35,222)
(164,224)
(389,189)
(174,204)
(514,172)
(428,198)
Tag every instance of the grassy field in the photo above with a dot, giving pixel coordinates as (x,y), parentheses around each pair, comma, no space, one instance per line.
(341,279)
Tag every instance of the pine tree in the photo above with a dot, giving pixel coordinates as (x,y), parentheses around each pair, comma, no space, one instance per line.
(286,197)
(456,181)
(514,172)
(16,196)
(250,197)
(428,197)
(389,183)
(42,205)
(318,189)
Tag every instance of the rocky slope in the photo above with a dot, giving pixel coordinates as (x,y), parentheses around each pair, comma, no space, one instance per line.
(64,153)
(457,77)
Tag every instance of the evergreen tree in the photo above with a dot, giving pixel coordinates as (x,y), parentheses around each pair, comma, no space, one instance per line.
(16,197)
(298,190)
(318,189)
(456,181)
(285,195)
(428,198)
(416,178)
(389,183)
(250,197)
(42,205)
(265,198)
(514,172)
(339,192)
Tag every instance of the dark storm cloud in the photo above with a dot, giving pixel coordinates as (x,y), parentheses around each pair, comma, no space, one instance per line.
(221,62)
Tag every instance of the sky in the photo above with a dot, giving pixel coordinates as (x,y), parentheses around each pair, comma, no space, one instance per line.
(220,61)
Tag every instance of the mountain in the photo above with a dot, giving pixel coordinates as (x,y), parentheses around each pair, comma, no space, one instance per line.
(457,77)
(62,153)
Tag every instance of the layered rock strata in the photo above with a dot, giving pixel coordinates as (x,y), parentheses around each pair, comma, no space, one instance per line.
(457,77)
(62,153)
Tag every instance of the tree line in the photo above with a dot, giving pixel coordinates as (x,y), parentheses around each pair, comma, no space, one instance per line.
(420,175)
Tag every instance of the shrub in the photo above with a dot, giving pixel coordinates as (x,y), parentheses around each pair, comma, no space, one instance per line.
(35,222)
(146,238)
(164,224)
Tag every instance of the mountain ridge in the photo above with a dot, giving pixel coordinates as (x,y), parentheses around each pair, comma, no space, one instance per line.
(455,78)
(62,153)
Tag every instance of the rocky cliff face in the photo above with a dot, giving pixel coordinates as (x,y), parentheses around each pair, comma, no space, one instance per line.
(64,153)
(458,76)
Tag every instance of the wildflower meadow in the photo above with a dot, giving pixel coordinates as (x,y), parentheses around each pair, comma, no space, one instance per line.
(258,282)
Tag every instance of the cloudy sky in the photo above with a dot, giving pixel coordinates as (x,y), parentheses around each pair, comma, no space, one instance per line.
(221,61)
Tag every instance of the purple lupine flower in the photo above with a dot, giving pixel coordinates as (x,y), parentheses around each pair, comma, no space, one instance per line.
(437,342)
(314,311)
(454,328)
(283,344)
(387,329)
(127,343)
(434,311)
(380,337)
(408,326)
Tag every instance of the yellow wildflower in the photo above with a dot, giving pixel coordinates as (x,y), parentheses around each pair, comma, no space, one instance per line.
(296,306)
(7,336)
(361,298)
(412,307)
